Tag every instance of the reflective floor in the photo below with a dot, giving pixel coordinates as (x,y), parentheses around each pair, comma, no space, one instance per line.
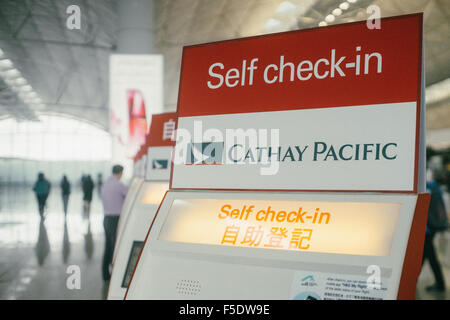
(36,257)
(442,245)
(38,260)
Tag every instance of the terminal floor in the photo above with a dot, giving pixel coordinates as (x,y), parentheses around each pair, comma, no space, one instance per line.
(36,259)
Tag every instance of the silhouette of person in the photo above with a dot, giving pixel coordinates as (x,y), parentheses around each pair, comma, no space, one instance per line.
(113,197)
(429,251)
(99,183)
(42,189)
(65,193)
(88,188)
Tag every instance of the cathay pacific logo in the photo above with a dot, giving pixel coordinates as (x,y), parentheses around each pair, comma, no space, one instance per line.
(204,153)
(213,153)
(264,148)
(159,164)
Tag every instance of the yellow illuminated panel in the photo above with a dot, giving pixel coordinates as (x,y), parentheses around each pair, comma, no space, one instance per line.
(154,192)
(310,226)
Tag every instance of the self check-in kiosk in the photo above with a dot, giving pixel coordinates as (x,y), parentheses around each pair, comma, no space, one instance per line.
(298,170)
(160,144)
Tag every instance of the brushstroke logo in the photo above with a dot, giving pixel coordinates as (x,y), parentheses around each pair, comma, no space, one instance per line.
(205,153)
(158,164)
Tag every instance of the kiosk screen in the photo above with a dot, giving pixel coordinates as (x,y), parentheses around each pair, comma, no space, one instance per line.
(134,254)
(154,192)
(357,228)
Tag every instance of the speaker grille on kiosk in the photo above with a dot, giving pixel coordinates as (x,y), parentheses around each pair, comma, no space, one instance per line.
(189,287)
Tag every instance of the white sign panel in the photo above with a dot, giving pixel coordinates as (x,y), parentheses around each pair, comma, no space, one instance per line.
(158,163)
(364,148)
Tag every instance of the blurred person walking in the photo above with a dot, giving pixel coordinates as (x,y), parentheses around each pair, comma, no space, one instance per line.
(99,183)
(65,193)
(437,222)
(113,196)
(42,189)
(88,188)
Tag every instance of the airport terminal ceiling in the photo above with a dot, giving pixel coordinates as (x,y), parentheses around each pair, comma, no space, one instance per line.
(65,71)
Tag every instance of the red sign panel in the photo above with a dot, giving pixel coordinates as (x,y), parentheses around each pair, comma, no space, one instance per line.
(162,129)
(291,70)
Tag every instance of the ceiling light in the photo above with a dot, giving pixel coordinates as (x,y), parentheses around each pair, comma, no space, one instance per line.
(35,100)
(32,94)
(17,83)
(337,12)
(6,63)
(344,5)
(11,73)
(352,1)
(14,83)
(10,82)
(26,88)
(20,81)
(322,24)
(329,18)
